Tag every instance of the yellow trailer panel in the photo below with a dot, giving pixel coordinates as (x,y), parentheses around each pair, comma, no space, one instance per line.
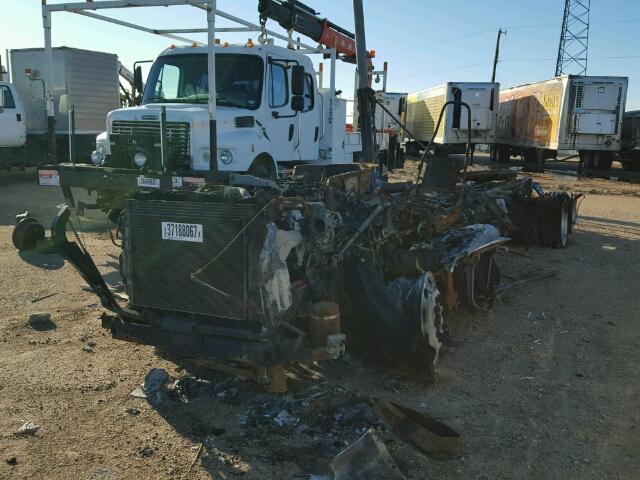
(422,115)
(531,115)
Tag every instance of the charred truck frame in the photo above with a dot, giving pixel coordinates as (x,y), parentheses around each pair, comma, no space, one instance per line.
(260,272)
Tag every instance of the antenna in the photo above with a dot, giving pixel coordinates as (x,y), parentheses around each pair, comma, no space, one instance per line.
(574,38)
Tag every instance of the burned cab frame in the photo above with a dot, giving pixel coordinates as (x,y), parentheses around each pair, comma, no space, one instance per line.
(265,273)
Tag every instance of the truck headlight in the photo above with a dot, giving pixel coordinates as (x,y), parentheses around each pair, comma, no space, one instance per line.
(101,149)
(226,157)
(140,159)
(97,157)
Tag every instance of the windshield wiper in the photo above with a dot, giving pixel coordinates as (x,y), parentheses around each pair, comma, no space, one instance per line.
(153,99)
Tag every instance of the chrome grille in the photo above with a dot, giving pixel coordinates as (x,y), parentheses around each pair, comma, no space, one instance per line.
(146,127)
(131,136)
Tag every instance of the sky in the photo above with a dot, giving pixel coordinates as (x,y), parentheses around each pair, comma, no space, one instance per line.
(426,42)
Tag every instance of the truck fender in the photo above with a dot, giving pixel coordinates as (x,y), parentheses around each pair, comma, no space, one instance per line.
(264,166)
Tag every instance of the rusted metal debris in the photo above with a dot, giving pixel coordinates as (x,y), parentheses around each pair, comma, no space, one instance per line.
(421,430)
(367,458)
(391,257)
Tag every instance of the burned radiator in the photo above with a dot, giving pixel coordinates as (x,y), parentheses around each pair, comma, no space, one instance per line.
(168,241)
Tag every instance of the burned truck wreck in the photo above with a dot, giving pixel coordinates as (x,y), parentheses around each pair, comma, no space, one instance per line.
(265,273)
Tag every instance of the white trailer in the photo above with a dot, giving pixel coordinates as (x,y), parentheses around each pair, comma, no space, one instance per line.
(423,109)
(566,113)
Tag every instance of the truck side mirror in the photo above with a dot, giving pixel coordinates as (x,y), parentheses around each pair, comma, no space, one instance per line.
(63,103)
(297,103)
(2,90)
(297,80)
(137,81)
(457,108)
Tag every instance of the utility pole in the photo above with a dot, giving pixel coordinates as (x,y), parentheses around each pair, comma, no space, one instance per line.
(574,38)
(364,95)
(497,56)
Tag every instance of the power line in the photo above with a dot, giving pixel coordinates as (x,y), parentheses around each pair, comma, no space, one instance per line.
(483,32)
(438,42)
(441,70)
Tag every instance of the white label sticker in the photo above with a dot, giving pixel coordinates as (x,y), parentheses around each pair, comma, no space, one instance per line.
(176,182)
(48,177)
(148,182)
(186,232)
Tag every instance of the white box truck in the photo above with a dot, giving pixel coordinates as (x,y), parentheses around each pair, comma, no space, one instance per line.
(82,79)
(13,130)
(423,109)
(566,113)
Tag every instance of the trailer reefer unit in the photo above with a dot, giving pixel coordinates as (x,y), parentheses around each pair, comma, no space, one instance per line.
(569,113)
(84,80)
(423,109)
(630,154)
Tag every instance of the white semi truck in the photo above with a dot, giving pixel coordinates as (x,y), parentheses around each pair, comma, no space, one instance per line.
(259,106)
(263,123)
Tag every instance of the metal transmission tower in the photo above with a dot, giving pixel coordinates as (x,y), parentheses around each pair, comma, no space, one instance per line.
(574,38)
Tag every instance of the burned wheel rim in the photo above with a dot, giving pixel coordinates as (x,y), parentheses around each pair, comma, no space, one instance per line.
(564,224)
(430,313)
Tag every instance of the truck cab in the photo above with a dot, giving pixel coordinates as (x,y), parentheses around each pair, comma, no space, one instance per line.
(258,129)
(13,125)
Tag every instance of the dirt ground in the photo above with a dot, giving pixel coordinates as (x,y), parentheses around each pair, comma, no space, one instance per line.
(544,385)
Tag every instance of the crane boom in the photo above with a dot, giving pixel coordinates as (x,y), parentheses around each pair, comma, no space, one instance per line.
(293,15)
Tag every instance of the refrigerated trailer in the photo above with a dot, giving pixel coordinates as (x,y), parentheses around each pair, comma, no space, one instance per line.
(423,109)
(567,113)
(82,80)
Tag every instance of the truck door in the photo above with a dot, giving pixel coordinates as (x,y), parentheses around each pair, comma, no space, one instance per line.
(282,124)
(308,137)
(13,129)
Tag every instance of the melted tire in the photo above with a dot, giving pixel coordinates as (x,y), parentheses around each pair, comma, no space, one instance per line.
(392,327)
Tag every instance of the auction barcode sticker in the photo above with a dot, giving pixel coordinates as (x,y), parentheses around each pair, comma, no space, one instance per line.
(149,182)
(186,232)
(48,177)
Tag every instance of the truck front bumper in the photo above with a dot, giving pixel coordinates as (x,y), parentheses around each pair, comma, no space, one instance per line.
(116,180)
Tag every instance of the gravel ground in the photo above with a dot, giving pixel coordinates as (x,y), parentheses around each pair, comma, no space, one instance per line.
(544,385)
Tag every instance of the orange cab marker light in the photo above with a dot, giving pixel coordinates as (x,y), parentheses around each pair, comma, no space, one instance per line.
(172,47)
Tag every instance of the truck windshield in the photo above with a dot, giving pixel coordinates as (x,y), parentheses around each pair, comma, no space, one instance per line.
(184,79)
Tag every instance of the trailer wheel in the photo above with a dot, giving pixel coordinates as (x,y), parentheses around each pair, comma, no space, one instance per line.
(602,160)
(630,165)
(503,154)
(263,166)
(586,156)
(27,234)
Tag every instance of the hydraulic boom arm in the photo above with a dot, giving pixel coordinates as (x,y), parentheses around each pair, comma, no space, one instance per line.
(293,15)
